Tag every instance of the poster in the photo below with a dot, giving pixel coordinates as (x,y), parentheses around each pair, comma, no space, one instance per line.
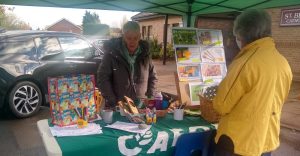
(209,37)
(195,88)
(185,36)
(213,54)
(213,71)
(200,59)
(188,72)
(188,55)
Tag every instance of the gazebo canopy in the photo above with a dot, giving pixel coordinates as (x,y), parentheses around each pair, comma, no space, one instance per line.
(187,8)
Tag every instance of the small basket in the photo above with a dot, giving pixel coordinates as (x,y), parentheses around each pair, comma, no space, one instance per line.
(207,110)
(161,113)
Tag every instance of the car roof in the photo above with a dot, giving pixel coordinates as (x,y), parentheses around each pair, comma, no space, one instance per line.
(20,33)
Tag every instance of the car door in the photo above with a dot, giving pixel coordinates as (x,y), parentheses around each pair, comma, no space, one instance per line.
(79,54)
(51,59)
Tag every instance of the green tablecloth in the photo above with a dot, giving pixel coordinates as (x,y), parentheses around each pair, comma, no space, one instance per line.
(160,140)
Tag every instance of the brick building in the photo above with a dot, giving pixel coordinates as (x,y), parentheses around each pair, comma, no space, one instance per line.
(287,38)
(66,26)
(152,25)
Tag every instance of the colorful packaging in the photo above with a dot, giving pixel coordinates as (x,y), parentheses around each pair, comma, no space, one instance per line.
(69,97)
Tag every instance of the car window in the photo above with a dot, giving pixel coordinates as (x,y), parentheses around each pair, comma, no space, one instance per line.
(12,47)
(75,47)
(47,46)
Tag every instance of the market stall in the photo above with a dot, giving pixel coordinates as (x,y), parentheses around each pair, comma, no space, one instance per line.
(159,139)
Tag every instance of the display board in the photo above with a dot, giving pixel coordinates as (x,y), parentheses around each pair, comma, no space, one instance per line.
(200,60)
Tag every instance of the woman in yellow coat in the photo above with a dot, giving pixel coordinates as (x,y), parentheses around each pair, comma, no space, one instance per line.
(251,96)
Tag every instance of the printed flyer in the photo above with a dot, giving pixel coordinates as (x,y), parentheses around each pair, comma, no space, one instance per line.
(188,72)
(213,71)
(195,89)
(213,54)
(207,37)
(185,36)
(188,55)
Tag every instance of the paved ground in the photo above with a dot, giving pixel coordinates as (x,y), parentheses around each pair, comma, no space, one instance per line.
(20,137)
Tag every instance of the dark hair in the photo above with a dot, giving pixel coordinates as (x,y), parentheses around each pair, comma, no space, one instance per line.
(252,25)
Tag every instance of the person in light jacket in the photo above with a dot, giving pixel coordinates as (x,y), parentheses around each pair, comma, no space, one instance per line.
(250,97)
(126,68)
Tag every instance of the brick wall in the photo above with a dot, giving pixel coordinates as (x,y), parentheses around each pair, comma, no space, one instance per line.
(65,26)
(158,26)
(226,26)
(287,41)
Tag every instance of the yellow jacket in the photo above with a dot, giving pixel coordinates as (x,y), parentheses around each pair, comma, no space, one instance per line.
(251,96)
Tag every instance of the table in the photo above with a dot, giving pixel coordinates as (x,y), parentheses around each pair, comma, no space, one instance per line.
(160,140)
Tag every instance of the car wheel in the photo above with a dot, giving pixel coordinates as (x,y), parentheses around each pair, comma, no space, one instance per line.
(25,99)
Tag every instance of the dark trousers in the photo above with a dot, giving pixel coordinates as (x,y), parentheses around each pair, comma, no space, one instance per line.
(225,147)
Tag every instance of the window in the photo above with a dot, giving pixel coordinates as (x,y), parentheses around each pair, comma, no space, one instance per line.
(47,46)
(169,31)
(143,32)
(74,47)
(149,34)
(12,47)
(175,25)
(169,38)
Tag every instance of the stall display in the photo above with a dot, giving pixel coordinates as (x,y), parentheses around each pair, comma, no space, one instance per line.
(200,60)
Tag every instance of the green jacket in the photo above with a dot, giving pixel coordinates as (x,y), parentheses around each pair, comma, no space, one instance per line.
(251,96)
(114,80)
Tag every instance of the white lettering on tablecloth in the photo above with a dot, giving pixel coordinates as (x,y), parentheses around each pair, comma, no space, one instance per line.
(122,146)
(176,135)
(161,142)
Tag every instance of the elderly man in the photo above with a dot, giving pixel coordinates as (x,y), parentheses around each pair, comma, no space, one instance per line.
(126,68)
(251,96)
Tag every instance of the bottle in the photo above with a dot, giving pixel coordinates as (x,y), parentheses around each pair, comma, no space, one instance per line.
(158,100)
(148,116)
(154,115)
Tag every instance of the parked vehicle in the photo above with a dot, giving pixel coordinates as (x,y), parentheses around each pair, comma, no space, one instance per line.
(28,58)
(99,43)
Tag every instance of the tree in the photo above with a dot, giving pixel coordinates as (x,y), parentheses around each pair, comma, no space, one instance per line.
(91,25)
(2,15)
(10,21)
(96,29)
(90,18)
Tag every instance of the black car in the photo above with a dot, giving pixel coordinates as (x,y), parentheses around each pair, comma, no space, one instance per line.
(28,58)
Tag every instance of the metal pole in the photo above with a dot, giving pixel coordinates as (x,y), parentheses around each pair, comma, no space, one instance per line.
(165,39)
(189,13)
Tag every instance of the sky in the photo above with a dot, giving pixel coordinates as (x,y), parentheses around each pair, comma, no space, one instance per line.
(41,17)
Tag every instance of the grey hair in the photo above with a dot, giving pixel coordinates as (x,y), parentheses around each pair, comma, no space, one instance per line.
(252,25)
(131,26)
